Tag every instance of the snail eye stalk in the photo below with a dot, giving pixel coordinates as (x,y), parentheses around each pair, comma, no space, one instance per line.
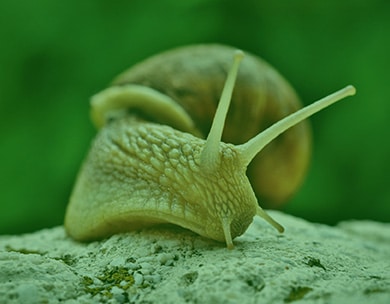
(210,154)
(252,147)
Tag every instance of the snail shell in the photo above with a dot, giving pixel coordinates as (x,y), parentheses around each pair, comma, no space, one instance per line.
(149,163)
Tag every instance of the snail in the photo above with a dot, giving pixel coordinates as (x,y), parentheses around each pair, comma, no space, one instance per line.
(163,154)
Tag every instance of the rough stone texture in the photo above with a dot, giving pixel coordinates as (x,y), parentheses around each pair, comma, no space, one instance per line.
(309,263)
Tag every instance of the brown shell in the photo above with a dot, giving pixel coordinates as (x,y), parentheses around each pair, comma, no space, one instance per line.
(194,77)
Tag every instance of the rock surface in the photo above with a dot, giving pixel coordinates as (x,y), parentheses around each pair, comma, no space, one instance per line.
(309,263)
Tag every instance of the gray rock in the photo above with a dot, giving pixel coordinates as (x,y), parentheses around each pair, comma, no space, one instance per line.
(309,263)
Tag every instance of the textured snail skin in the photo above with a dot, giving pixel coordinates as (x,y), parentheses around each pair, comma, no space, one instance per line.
(193,76)
(140,173)
(146,173)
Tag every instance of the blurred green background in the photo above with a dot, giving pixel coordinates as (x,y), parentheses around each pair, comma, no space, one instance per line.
(55,54)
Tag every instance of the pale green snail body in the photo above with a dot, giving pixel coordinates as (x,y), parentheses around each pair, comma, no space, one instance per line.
(157,170)
(145,167)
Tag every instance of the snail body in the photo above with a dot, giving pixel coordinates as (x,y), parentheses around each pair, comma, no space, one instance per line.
(149,164)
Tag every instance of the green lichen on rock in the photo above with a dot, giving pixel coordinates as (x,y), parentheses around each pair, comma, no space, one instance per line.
(297,293)
(314,262)
(87,282)
(118,277)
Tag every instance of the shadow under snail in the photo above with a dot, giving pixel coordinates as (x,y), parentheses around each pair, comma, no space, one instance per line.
(168,152)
